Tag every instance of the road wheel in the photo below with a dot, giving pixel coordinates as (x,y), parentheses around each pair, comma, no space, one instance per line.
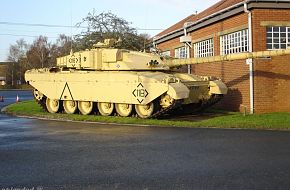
(145,111)
(52,106)
(105,109)
(85,107)
(124,110)
(70,106)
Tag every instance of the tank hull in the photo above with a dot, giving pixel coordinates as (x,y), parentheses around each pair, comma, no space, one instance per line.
(122,87)
(105,86)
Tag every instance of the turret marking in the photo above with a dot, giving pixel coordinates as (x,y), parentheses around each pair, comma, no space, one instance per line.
(73,60)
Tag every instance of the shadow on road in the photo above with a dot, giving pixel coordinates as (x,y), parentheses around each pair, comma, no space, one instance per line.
(208,114)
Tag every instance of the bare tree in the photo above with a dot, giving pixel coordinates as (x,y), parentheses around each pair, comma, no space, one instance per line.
(38,54)
(61,47)
(17,53)
(108,25)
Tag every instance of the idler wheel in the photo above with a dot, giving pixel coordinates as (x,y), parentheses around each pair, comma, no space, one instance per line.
(52,106)
(70,106)
(166,101)
(145,111)
(37,95)
(85,107)
(124,110)
(105,109)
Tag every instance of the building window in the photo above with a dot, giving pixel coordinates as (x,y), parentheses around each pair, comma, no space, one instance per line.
(203,48)
(235,42)
(181,52)
(165,53)
(278,37)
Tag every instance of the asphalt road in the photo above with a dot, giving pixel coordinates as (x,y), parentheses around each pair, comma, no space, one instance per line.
(63,155)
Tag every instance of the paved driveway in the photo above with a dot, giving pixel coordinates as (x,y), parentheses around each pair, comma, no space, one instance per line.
(56,155)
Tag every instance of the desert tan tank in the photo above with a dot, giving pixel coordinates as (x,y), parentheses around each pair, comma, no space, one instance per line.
(120,82)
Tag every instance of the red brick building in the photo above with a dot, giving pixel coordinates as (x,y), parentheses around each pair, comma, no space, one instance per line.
(233,26)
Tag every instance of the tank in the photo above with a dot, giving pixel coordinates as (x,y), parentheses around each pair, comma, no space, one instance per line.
(109,81)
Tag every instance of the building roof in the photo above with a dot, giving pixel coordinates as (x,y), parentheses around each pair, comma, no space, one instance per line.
(177,25)
(221,10)
(195,17)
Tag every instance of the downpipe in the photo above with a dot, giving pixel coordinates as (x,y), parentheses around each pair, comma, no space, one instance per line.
(250,61)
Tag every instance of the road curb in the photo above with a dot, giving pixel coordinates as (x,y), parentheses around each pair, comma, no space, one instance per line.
(141,125)
(4,111)
(87,122)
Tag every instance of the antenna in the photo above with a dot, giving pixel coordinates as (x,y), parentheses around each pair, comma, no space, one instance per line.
(71,35)
(146,28)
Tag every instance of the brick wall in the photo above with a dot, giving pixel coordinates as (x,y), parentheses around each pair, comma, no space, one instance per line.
(271,76)
(170,45)
(236,77)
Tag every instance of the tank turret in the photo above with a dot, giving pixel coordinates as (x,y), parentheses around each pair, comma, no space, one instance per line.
(104,57)
(110,81)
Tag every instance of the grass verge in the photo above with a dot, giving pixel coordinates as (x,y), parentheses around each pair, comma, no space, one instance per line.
(275,121)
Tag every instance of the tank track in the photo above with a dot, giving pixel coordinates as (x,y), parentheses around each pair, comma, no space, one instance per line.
(156,115)
(163,112)
(42,103)
(216,98)
(173,109)
(194,109)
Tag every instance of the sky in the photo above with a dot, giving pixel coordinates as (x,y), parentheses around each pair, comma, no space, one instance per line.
(148,16)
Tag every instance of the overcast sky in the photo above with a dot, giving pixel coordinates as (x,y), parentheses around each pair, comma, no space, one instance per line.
(143,14)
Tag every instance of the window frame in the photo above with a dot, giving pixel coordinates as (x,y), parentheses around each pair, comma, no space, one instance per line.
(275,36)
(183,50)
(235,42)
(204,48)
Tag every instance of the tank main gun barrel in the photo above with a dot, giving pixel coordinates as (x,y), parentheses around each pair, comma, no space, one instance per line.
(230,57)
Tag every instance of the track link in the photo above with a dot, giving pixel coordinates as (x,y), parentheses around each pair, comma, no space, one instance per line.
(162,112)
(195,108)
(42,103)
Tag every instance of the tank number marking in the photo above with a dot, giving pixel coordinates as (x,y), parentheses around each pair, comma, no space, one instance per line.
(73,60)
(140,93)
